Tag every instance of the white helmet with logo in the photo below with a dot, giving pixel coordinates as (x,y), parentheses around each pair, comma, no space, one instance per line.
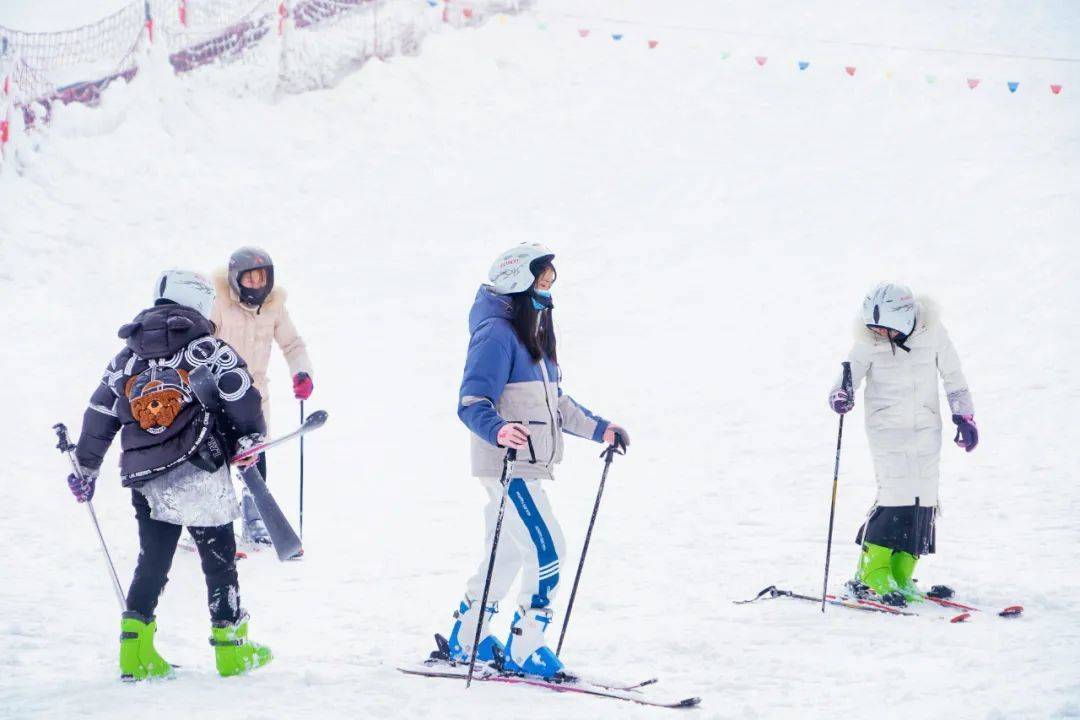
(891,307)
(187,288)
(514,271)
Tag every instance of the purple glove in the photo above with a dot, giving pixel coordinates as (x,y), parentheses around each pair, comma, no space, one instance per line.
(83,487)
(840,401)
(967,434)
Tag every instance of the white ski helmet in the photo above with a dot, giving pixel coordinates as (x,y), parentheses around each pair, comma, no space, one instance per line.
(892,307)
(187,288)
(513,270)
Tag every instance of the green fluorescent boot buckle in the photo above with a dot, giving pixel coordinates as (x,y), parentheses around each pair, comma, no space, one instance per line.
(233,652)
(138,658)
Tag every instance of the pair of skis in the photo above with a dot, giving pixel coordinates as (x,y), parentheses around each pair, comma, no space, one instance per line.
(872,605)
(286,542)
(439,667)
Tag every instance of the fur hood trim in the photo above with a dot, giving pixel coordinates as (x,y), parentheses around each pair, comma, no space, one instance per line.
(221,285)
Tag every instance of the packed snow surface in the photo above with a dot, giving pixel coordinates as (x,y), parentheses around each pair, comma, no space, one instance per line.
(717,223)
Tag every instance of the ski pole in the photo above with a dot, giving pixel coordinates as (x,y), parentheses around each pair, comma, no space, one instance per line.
(847,385)
(618,447)
(301,473)
(65,446)
(508,469)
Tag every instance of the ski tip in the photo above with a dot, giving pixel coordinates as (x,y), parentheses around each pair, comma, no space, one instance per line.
(241,555)
(316,419)
(689,702)
(962,617)
(1012,611)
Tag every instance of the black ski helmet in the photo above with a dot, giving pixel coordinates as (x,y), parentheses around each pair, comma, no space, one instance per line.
(244,260)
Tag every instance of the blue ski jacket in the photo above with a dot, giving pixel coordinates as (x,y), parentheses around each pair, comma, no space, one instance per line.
(502,383)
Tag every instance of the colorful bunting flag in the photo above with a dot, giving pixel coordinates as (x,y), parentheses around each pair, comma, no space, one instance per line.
(583,32)
(1056,89)
(889,74)
(1013,86)
(973,83)
(616,36)
(761,60)
(931,79)
(803,64)
(653,43)
(724,55)
(850,70)
(467,12)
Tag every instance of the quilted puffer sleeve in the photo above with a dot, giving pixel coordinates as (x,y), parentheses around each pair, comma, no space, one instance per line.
(291,344)
(578,420)
(241,403)
(859,357)
(956,387)
(487,370)
(100,421)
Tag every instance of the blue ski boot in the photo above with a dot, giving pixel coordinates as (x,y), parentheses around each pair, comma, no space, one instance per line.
(525,650)
(464,631)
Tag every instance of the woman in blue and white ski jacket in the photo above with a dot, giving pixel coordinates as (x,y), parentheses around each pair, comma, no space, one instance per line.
(511,398)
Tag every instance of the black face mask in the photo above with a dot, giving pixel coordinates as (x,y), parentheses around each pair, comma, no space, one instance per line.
(255,297)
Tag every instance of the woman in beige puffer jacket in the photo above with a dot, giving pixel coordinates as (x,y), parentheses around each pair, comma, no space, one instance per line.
(249,313)
(252,330)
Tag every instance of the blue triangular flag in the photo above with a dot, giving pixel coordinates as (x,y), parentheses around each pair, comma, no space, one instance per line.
(803,64)
(616,36)
(1013,86)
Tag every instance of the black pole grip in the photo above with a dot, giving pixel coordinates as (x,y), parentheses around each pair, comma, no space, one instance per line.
(846,383)
(63,443)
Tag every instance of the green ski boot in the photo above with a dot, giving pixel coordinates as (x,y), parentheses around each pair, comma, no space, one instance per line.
(903,569)
(234,653)
(875,571)
(138,658)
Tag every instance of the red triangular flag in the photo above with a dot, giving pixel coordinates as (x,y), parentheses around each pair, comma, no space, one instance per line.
(761,59)
(583,32)
(652,44)
(1056,89)
(850,70)
(973,83)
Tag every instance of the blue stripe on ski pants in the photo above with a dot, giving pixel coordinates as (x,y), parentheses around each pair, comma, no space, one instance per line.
(547,557)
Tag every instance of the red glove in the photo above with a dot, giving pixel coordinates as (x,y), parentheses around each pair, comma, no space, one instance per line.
(302,386)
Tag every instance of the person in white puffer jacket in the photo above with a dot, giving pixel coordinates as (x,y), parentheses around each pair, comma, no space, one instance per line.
(900,350)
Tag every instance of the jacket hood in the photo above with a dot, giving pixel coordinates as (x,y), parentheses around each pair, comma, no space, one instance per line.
(489,304)
(927,315)
(224,290)
(164,330)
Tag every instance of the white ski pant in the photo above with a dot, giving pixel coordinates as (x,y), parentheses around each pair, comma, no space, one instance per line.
(531,542)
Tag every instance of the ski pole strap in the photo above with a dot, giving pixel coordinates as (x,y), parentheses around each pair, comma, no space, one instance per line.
(771,591)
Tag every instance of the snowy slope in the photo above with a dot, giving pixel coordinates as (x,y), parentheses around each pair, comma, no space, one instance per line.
(716,223)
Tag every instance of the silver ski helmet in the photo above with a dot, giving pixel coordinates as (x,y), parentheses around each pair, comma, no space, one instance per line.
(892,307)
(515,270)
(245,260)
(187,288)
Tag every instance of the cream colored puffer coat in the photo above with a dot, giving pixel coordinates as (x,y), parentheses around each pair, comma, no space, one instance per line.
(251,331)
(902,405)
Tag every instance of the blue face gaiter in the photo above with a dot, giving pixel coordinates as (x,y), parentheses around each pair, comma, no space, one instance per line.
(541,300)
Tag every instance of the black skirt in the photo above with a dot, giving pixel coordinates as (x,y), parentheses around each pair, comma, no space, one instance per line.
(909,529)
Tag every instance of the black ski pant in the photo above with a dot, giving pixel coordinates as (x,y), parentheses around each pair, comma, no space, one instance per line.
(157,545)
